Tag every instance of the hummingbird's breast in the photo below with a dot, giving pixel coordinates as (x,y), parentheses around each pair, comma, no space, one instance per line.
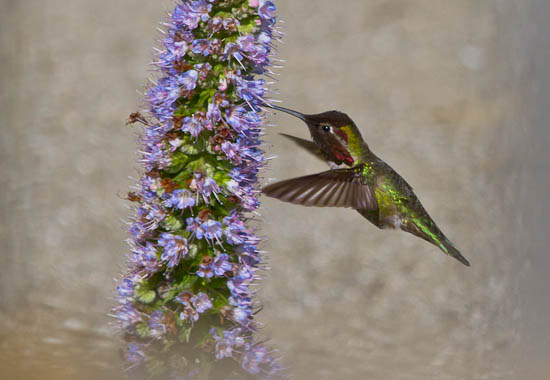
(393,195)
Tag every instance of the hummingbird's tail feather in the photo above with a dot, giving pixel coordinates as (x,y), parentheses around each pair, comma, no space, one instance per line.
(428,231)
(450,249)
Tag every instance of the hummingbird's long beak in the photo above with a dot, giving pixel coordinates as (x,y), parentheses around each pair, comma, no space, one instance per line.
(297,114)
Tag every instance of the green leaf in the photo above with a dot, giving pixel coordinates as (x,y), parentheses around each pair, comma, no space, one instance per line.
(205,96)
(223,14)
(219,69)
(185,283)
(142,330)
(145,295)
(247,28)
(219,301)
(193,250)
(172,223)
(179,162)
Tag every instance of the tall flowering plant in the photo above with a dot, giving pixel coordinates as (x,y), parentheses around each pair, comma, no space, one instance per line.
(186,303)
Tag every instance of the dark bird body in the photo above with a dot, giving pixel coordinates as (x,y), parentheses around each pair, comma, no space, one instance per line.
(366,183)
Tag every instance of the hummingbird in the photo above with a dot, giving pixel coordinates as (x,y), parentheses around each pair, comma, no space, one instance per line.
(358,179)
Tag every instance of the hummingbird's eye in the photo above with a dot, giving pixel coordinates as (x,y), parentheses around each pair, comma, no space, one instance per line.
(326,128)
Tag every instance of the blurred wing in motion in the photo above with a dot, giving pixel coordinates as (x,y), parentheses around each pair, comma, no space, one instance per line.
(310,146)
(333,188)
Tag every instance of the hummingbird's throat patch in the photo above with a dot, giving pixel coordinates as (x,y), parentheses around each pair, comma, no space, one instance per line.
(342,155)
(340,151)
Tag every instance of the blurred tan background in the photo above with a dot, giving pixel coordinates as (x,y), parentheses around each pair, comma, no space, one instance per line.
(453,94)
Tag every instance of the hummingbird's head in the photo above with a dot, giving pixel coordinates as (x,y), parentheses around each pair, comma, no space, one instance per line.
(334,132)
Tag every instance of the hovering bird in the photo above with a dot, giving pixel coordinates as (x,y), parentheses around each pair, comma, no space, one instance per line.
(364,183)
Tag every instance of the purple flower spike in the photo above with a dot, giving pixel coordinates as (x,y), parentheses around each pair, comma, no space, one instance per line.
(194,260)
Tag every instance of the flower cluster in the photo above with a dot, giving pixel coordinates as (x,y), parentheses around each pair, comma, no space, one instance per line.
(187,292)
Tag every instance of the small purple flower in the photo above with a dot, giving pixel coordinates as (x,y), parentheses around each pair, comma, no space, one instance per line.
(180,199)
(246,43)
(193,305)
(246,194)
(217,267)
(212,230)
(241,314)
(175,49)
(165,93)
(214,114)
(201,47)
(267,11)
(145,258)
(175,247)
(205,270)
(153,215)
(188,80)
(255,357)
(201,302)
(190,13)
(175,144)
(215,24)
(232,152)
(189,313)
(233,235)
(195,226)
(238,286)
(232,49)
(184,298)
(248,48)
(135,354)
(252,91)
(137,230)
(155,157)
(204,69)
(235,229)
(231,24)
(235,118)
(210,187)
(126,289)
(265,38)
(223,349)
(232,339)
(191,125)
(204,185)
(128,315)
(245,272)
(221,265)
(157,326)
